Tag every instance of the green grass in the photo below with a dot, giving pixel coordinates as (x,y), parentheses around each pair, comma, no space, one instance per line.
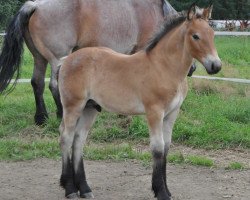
(235,55)
(235,166)
(234,50)
(199,161)
(179,158)
(17,150)
(213,120)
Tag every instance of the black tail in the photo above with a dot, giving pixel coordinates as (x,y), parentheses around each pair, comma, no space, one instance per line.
(12,49)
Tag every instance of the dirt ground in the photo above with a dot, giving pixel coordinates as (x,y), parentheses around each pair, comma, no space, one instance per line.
(38,180)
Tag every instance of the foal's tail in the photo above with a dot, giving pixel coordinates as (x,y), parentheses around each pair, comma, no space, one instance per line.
(12,49)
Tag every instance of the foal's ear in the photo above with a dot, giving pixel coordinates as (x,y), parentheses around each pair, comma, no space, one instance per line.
(193,11)
(207,13)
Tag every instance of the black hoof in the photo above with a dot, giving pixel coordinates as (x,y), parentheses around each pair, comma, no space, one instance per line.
(169,193)
(88,195)
(41,119)
(163,196)
(72,196)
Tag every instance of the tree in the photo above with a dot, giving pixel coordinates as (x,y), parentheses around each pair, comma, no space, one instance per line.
(8,8)
(223,9)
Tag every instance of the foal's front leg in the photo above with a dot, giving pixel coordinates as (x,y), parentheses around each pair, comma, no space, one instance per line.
(155,121)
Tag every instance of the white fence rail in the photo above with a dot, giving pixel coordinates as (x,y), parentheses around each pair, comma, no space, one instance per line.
(236,80)
(223,33)
(232,33)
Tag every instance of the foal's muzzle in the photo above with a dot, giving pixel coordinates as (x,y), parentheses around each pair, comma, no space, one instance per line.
(213,66)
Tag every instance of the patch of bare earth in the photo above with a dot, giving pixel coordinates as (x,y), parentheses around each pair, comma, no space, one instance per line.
(38,180)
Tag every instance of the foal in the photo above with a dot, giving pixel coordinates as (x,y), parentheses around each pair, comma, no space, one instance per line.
(150,82)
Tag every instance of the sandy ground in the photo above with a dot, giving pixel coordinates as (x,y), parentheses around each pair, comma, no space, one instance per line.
(38,180)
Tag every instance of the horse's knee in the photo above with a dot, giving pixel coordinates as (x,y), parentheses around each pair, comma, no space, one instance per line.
(157,144)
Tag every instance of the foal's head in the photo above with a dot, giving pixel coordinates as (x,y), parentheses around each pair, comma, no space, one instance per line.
(200,39)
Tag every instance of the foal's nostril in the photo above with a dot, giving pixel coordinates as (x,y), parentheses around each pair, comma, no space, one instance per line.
(213,67)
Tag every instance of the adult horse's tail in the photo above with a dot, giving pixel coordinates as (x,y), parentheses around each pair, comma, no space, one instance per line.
(12,49)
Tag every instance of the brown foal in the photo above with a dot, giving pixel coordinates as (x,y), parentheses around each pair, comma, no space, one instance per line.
(151,82)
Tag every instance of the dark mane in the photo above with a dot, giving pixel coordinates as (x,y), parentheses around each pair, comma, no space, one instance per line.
(170,23)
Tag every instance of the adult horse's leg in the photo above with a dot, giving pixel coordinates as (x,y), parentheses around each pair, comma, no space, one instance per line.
(83,126)
(155,121)
(67,130)
(168,123)
(37,81)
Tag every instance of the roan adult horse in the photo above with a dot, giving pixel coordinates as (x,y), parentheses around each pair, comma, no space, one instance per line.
(151,82)
(54,28)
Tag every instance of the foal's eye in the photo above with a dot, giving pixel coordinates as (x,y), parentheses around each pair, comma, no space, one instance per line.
(196,37)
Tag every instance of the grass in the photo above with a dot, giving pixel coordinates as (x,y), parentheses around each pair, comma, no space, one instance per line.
(235,166)
(179,158)
(235,55)
(16,150)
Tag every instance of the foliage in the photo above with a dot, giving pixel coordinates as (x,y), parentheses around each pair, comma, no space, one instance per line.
(223,9)
(235,166)
(8,8)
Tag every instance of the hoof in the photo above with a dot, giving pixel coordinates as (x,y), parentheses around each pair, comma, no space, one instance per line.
(41,119)
(88,195)
(72,196)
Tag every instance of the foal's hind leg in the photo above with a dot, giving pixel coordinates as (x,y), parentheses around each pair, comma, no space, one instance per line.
(68,128)
(168,123)
(155,121)
(83,126)
(53,86)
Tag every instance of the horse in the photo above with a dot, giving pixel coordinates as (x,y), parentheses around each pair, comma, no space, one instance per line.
(151,82)
(53,29)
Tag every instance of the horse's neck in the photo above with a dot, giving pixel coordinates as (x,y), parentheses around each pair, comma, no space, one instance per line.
(171,54)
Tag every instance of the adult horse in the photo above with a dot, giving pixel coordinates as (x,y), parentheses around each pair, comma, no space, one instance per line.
(54,28)
(151,82)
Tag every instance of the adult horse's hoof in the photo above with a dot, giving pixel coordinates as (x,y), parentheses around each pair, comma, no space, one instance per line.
(40,119)
(88,195)
(72,196)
